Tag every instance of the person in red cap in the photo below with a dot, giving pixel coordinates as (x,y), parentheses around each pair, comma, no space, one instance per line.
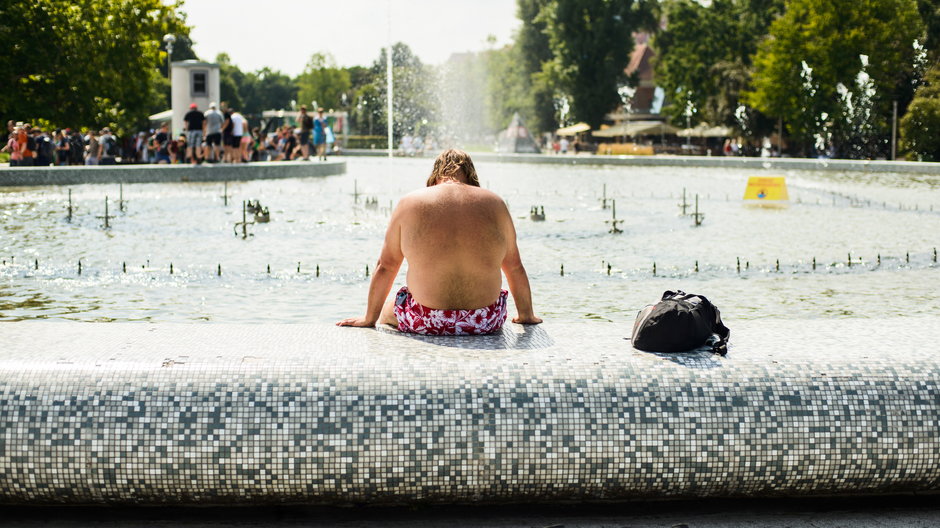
(194,121)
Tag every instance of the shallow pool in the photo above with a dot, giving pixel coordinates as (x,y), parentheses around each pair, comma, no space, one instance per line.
(320,223)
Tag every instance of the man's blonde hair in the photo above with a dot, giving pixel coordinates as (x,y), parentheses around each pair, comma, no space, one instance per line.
(449,163)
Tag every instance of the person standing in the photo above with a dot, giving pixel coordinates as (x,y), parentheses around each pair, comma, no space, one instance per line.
(107,147)
(194,122)
(306,126)
(161,144)
(13,147)
(43,151)
(226,133)
(61,147)
(239,129)
(76,148)
(319,134)
(27,145)
(91,148)
(213,133)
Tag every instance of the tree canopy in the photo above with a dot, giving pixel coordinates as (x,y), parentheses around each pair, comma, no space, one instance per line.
(809,68)
(84,62)
(591,42)
(705,55)
(323,83)
(920,126)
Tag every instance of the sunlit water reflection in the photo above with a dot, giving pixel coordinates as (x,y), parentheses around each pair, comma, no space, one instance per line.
(317,223)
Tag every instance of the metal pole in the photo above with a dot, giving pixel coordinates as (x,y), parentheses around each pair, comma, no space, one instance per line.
(894,131)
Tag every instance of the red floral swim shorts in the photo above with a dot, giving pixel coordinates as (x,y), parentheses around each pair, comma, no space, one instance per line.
(417,319)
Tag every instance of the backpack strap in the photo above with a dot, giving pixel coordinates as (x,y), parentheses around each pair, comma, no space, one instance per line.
(720,347)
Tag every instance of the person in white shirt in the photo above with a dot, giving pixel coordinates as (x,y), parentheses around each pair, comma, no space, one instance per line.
(239,129)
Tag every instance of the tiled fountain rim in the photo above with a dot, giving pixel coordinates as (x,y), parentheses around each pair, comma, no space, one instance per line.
(169,413)
(35,176)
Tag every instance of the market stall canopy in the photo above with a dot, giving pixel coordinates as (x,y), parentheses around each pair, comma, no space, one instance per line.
(706,130)
(637,128)
(165,115)
(719,131)
(573,129)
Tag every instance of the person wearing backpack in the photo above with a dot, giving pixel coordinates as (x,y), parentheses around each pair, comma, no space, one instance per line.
(161,144)
(76,148)
(43,149)
(107,147)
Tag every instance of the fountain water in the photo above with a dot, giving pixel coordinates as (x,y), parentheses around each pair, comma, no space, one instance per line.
(817,124)
(860,137)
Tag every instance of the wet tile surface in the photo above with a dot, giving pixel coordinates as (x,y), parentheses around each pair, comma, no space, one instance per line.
(317,414)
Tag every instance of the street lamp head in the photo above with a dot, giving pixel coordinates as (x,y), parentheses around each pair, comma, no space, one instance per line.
(169,38)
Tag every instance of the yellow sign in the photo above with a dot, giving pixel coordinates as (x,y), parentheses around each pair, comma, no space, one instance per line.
(766,189)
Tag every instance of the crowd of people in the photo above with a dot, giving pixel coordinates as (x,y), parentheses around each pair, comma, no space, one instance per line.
(210,136)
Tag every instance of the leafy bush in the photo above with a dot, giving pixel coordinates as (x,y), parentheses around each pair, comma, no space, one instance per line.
(367,142)
(920,126)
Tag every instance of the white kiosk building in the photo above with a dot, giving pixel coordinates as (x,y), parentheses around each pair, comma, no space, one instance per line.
(192,81)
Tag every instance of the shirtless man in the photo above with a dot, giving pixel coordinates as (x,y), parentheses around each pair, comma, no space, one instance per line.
(456,238)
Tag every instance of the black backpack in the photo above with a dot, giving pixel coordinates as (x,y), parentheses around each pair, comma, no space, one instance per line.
(31,143)
(46,148)
(76,148)
(110,146)
(680,322)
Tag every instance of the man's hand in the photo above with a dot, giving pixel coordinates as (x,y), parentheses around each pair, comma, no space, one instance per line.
(530,319)
(356,321)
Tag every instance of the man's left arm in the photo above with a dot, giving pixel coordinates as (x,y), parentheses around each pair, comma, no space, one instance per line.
(386,269)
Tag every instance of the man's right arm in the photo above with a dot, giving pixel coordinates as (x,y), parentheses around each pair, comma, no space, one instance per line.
(515,273)
(384,275)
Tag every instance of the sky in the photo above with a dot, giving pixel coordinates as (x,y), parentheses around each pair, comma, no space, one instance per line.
(283,34)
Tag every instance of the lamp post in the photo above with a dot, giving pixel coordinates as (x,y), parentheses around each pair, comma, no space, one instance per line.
(169,39)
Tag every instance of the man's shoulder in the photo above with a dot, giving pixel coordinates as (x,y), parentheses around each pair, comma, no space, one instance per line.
(442,193)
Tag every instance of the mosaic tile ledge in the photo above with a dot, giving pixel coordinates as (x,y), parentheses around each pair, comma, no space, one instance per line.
(222,414)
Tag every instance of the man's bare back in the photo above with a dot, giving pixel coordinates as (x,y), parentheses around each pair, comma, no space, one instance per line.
(457,238)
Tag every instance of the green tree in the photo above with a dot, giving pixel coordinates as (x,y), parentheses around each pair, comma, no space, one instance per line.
(510,89)
(920,124)
(817,46)
(591,42)
(704,55)
(85,62)
(531,53)
(323,83)
(266,89)
(231,79)
(930,14)
(415,100)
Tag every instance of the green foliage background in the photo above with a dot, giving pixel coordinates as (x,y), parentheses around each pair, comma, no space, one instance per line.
(736,63)
(84,62)
(830,37)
